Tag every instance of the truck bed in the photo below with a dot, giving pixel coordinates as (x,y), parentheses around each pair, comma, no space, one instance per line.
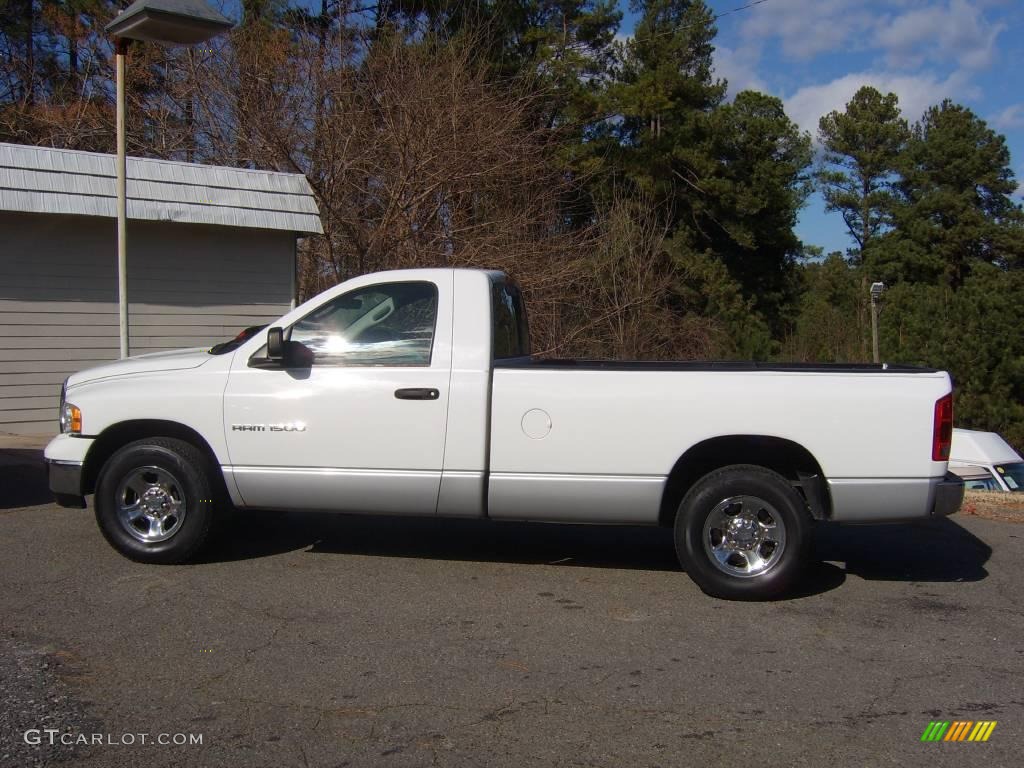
(595,440)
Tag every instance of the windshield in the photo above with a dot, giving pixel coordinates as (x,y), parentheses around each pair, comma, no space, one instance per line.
(1012,474)
(982,484)
(232,344)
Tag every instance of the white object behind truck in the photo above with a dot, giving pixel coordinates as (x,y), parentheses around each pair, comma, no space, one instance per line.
(986,461)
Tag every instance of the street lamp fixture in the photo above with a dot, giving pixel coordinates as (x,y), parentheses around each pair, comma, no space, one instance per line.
(168,22)
(877,289)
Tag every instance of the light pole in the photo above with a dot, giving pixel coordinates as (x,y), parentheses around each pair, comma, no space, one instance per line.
(168,22)
(876,294)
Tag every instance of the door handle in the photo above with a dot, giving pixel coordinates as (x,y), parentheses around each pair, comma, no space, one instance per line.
(417,393)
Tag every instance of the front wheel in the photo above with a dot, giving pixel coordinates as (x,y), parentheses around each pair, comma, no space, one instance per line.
(155,500)
(743,533)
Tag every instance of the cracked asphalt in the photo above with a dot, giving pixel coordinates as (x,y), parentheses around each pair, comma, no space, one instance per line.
(308,640)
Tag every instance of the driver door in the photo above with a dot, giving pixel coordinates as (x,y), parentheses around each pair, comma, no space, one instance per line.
(362,429)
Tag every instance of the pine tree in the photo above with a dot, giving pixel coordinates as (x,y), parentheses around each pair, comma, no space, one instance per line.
(752,197)
(833,323)
(957,211)
(862,149)
(664,96)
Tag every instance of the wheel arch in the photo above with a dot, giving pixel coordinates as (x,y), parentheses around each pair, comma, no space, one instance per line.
(790,459)
(116,436)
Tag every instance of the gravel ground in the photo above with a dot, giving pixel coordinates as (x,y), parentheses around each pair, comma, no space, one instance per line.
(36,696)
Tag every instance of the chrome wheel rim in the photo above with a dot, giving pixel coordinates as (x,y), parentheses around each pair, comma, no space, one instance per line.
(744,536)
(150,504)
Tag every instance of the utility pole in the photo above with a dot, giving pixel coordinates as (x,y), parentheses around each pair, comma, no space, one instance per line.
(122,205)
(168,22)
(876,294)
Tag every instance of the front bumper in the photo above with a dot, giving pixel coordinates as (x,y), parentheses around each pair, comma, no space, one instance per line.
(65,457)
(949,495)
(65,478)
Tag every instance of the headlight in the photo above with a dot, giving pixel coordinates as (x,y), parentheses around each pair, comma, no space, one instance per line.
(71,419)
(60,408)
(70,415)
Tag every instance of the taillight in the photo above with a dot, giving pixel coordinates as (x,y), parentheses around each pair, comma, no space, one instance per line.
(942,434)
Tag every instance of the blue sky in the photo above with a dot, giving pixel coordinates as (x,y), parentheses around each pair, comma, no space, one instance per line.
(814,54)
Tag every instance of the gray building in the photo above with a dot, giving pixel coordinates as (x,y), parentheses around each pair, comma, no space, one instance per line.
(211,250)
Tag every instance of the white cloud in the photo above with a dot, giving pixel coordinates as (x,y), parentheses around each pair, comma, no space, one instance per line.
(916,93)
(923,50)
(955,31)
(739,67)
(1010,118)
(906,34)
(806,28)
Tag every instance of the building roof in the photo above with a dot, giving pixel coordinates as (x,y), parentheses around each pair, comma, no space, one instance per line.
(44,180)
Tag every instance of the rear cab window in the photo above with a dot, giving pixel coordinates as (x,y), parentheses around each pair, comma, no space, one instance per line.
(510,330)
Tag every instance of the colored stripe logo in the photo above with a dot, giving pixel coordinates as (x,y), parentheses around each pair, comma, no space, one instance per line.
(958,730)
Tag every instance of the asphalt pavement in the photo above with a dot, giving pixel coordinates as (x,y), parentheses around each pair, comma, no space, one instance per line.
(328,640)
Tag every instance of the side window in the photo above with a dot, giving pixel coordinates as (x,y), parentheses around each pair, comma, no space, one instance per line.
(511,335)
(388,324)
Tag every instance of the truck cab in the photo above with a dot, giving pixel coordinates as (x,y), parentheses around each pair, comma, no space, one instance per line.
(394,394)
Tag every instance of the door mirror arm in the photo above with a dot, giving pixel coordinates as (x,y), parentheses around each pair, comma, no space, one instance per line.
(297,355)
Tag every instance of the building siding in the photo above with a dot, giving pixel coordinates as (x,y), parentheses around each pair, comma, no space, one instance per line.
(189,285)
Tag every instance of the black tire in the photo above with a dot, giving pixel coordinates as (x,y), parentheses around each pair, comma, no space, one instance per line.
(765,508)
(184,474)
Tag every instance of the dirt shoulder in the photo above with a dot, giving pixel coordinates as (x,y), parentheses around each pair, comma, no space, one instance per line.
(994,506)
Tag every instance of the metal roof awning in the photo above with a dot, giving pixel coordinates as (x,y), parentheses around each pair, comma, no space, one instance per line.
(60,181)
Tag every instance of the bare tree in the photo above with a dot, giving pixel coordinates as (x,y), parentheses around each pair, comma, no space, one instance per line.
(627,295)
(417,156)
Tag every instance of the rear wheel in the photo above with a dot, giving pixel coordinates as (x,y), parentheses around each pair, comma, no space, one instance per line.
(155,500)
(743,533)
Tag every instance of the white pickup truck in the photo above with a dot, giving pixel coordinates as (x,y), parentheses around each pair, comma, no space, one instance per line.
(414,393)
